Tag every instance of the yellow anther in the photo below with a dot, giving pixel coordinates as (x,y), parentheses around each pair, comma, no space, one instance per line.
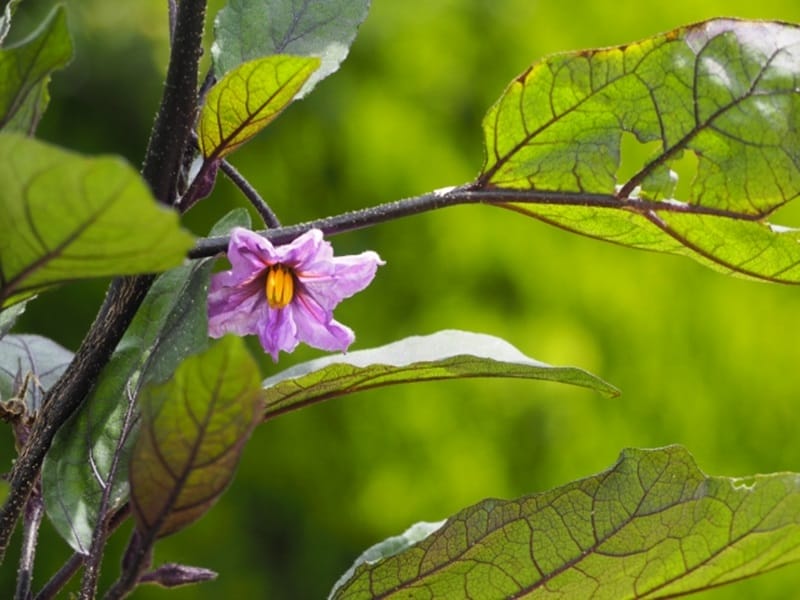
(279,286)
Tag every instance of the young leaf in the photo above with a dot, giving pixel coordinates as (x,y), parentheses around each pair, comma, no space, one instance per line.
(66,216)
(443,355)
(9,316)
(25,70)
(193,429)
(170,325)
(652,526)
(248,99)
(248,29)
(723,91)
(32,361)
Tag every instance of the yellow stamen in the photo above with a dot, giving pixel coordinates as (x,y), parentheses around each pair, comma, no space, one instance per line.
(279,286)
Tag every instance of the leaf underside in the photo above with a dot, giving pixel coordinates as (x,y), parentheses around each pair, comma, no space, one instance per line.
(34,358)
(249,29)
(725,92)
(447,354)
(652,526)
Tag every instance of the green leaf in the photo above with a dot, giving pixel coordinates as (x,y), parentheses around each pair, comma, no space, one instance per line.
(724,92)
(652,526)
(443,355)
(248,29)
(66,216)
(5,20)
(9,316)
(248,99)
(170,325)
(34,362)
(25,70)
(193,429)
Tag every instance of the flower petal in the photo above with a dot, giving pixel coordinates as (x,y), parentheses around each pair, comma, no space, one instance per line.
(277,331)
(316,326)
(351,274)
(233,309)
(249,254)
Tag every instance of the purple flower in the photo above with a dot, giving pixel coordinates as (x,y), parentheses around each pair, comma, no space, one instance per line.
(286,294)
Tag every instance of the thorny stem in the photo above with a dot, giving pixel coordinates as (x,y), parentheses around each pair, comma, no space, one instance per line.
(161,166)
(34,510)
(68,570)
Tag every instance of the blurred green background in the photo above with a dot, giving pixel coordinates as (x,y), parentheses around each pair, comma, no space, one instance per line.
(703,360)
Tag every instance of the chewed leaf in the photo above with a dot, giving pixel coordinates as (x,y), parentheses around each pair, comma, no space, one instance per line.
(652,526)
(25,70)
(443,355)
(724,92)
(249,29)
(65,216)
(248,99)
(192,432)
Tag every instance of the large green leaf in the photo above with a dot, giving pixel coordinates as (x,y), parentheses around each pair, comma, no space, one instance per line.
(444,355)
(193,429)
(248,99)
(248,29)
(31,362)
(652,526)
(64,216)
(25,70)
(170,325)
(725,92)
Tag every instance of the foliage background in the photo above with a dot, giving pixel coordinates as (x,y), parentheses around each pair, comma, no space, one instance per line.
(703,360)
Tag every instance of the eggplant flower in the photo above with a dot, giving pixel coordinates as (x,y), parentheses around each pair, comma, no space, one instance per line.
(286,294)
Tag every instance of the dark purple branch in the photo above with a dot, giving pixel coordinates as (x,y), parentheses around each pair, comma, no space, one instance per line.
(168,141)
(34,511)
(468,194)
(267,214)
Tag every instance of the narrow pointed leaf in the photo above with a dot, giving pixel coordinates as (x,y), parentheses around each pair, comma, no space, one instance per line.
(9,316)
(66,216)
(248,99)
(248,29)
(34,358)
(170,325)
(193,429)
(652,526)
(444,355)
(25,70)
(724,92)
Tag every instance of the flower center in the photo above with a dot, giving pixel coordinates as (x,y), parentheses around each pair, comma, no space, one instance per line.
(279,286)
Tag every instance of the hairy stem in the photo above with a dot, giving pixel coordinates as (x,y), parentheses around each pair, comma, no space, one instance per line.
(34,510)
(267,214)
(466,194)
(168,140)
(68,570)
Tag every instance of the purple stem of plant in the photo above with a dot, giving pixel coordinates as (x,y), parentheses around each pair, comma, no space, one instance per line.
(466,194)
(267,214)
(34,510)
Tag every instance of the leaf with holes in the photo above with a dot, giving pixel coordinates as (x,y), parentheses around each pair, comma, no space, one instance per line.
(652,526)
(724,93)
(25,70)
(90,453)
(193,429)
(65,216)
(248,99)
(448,354)
(249,29)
